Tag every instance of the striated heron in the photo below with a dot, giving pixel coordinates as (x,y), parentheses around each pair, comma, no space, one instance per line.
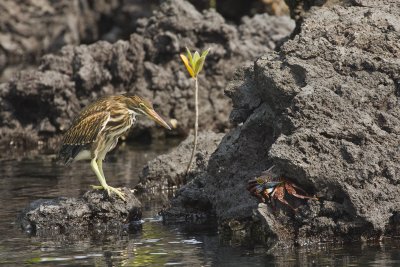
(97,128)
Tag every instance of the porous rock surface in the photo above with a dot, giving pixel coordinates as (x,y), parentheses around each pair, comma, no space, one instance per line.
(324,110)
(93,213)
(300,9)
(234,10)
(40,104)
(29,28)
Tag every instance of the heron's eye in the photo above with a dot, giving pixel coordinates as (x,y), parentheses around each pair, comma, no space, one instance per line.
(141,105)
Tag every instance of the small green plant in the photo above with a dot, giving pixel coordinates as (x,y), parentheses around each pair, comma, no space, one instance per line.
(194,64)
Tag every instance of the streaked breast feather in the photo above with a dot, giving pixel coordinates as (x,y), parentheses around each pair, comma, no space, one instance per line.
(118,124)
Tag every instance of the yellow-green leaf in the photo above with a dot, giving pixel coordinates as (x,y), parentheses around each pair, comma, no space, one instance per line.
(189,55)
(196,57)
(199,65)
(205,52)
(188,67)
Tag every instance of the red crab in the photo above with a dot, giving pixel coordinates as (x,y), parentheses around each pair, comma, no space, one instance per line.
(265,189)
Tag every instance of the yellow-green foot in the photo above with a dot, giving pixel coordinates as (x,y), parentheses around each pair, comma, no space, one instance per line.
(109,189)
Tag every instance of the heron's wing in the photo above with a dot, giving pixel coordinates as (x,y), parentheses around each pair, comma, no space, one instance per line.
(86,129)
(82,133)
(93,109)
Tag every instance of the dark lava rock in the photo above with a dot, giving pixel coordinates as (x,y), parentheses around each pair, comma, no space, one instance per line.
(300,9)
(170,169)
(30,29)
(40,104)
(73,22)
(235,10)
(93,214)
(325,111)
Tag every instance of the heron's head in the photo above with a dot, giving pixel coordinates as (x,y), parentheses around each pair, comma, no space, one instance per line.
(141,106)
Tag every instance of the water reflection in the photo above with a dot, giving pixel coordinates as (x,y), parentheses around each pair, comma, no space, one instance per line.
(28,179)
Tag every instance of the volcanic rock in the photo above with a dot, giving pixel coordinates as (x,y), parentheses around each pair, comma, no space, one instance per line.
(324,110)
(30,29)
(93,213)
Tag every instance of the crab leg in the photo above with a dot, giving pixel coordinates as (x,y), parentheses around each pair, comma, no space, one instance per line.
(279,194)
(297,187)
(291,191)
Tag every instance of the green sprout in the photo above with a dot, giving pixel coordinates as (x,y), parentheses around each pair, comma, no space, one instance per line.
(194,64)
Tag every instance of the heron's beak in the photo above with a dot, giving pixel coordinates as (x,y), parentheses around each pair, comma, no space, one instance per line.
(157,118)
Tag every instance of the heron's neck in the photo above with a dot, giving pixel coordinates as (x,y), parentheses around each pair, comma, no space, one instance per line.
(133,113)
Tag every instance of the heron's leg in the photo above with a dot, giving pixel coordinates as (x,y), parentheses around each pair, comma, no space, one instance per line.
(97,167)
(99,175)
(100,164)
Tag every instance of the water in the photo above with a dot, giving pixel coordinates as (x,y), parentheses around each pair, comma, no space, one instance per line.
(30,178)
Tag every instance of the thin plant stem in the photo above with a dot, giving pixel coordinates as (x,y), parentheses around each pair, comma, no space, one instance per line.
(213,4)
(196,124)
